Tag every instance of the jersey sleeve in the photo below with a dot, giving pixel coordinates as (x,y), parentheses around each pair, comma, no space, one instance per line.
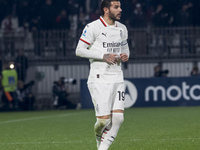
(88,34)
(125,34)
(87,38)
(124,44)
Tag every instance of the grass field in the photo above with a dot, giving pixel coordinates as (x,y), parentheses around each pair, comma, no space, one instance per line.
(170,128)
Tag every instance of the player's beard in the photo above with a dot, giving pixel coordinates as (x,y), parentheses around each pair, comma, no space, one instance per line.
(113,16)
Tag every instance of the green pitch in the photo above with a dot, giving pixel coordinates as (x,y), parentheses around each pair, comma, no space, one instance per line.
(170,128)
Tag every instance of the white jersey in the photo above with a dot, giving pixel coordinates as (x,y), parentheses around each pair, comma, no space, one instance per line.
(103,39)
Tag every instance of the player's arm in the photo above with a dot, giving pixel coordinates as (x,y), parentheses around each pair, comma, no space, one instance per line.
(82,50)
(124,56)
(87,38)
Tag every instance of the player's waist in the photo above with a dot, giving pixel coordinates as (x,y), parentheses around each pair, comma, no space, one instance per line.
(102,65)
(105,77)
(106,72)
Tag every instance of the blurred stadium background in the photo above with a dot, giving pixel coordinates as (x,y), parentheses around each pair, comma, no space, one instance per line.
(161,32)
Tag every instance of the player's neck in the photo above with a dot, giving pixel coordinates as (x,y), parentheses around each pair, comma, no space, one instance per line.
(108,20)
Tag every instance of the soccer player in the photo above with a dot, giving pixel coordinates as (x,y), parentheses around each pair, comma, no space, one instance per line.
(104,43)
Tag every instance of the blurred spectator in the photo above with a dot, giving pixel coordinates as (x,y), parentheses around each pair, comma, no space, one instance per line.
(21,63)
(24,95)
(23,11)
(3,9)
(73,9)
(83,20)
(129,6)
(60,94)
(149,11)
(161,18)
(48,15)
(83,5)
(9,26)
(183,17)
(34,28)
(35,8)
(95,15)
(138,21)
(195,71)
(63,23)
(91,5)
(141,11)
(34,24)
(62,20)
(138,17)
(158,72)
(9,84)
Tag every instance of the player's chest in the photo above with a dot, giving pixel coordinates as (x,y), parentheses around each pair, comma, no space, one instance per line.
(109,40)
(109,35)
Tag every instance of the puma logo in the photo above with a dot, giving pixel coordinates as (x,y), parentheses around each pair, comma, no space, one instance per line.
(104,34)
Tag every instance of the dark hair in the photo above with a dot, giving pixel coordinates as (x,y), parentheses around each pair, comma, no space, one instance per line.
(107,4)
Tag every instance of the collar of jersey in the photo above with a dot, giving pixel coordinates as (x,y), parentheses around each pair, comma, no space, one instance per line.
(104,23)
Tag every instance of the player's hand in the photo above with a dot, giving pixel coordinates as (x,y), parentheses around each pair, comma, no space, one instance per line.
(124,57)
(110,58)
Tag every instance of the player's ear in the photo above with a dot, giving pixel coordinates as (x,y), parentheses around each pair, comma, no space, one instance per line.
(106,10)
